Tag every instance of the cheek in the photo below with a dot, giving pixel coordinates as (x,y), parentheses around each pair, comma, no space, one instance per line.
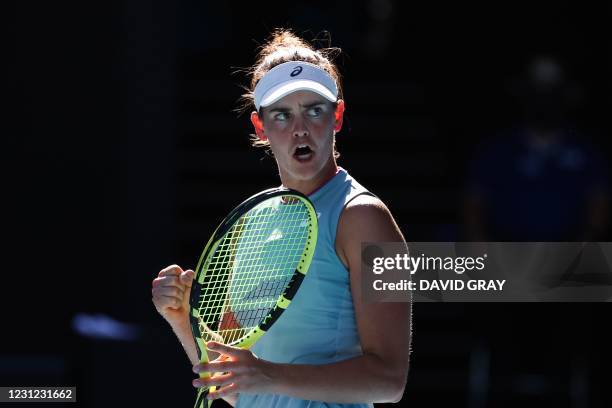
(278,143)
(323,132)
(276,150)
(323,126)
(276,127)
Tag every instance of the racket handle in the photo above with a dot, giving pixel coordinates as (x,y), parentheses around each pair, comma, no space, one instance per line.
(201,400)
(203,356)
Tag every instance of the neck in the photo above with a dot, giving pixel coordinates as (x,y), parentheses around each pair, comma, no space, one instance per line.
(309,186)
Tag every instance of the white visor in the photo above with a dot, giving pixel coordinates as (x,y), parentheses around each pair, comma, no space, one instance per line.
(294,76)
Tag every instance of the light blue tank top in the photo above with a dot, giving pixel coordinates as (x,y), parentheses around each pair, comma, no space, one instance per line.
(319,326)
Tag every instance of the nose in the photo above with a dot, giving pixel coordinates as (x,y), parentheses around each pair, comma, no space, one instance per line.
(299,128)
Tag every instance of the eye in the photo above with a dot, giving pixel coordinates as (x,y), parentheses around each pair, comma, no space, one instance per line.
(281,116)
(315,111)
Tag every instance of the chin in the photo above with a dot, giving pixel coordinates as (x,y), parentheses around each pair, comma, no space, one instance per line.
(303,175)
(304,172)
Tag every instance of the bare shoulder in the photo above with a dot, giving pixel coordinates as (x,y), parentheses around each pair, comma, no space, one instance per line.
(367,214)
(365,201)
(364,219)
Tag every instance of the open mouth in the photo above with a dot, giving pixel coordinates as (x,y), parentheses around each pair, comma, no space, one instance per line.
(303,152)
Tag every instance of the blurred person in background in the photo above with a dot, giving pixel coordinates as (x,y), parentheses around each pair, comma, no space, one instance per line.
(540,180)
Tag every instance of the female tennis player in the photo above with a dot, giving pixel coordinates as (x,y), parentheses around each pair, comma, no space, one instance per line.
(329,348)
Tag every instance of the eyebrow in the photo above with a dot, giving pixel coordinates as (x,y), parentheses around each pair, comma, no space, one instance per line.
(283,110)
(312,105)
(307,106)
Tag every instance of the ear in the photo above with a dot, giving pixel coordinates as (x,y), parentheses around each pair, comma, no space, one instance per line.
(339,116)
(258,125)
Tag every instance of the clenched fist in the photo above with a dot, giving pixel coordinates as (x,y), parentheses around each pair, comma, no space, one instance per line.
(171,291)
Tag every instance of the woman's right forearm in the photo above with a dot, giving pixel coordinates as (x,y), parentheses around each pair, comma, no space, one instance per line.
(183,333)
(170,292)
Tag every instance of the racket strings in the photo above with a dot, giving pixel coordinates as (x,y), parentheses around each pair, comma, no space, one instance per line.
(249,252)
(252,265)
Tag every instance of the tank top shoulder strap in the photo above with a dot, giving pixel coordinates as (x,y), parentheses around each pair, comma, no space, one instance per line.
(331,199)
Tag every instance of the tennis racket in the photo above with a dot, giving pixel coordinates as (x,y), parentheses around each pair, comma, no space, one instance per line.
(250,270)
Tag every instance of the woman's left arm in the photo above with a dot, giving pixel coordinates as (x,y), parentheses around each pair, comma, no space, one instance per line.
(378,375)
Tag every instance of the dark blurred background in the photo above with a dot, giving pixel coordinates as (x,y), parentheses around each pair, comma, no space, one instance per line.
(123,152)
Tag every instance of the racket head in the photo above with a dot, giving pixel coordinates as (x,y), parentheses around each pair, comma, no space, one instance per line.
(251,268)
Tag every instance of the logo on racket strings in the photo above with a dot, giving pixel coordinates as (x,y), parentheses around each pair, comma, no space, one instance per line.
(276,234)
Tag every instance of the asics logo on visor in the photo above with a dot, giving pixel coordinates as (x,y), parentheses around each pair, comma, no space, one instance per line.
(296,71)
